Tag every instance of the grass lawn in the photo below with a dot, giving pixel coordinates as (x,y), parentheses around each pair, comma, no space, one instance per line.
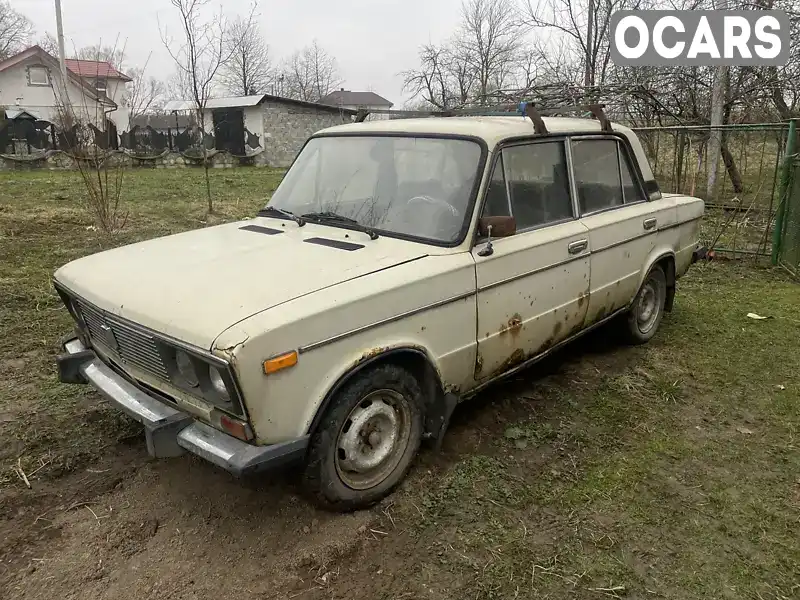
(43,225)
(670,470)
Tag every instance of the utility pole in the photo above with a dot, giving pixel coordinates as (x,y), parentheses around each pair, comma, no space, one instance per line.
(587,73)
(715,134)
(61,55)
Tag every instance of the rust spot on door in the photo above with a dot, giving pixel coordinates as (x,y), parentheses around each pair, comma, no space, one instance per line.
(516,357)
(582,299)
(557,328)
(513,326)
(547,345)
(478,365)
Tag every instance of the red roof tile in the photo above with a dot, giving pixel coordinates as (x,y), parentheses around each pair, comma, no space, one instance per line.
(94,68)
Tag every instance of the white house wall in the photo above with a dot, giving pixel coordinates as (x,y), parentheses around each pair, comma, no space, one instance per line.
(254,123)
(41,100)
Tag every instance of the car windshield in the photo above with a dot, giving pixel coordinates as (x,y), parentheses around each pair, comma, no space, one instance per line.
(410,186)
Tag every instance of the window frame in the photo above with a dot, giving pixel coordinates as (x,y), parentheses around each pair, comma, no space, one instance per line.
(43,68)
(480,175)
(498,156)
(622,146)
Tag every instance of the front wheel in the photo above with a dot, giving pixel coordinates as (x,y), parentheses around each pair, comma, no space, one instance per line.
(645,315)
(367,440)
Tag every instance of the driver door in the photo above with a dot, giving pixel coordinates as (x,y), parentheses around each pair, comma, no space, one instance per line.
(533,287)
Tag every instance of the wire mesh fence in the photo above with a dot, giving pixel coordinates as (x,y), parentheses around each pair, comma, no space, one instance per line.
(742,197)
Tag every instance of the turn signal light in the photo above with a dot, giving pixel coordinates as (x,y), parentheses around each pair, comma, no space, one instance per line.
(235,427)
(284,361)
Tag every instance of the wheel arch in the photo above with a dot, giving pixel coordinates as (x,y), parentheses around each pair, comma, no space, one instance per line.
(665,258)
(410,356)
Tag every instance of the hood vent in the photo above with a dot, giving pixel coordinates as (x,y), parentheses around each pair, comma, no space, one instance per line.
(339,245)
(260,229)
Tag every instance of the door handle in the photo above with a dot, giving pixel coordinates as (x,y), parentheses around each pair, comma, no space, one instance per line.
(650,223)
(578,247)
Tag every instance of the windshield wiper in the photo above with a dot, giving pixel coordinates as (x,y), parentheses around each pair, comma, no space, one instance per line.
(269,211)
(333,218)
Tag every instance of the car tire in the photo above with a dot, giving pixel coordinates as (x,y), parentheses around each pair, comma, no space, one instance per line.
(367,439)
(644,317)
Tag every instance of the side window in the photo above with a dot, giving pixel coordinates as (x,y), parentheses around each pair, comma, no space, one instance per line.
(496,204)
(631,187)
(596,165)
(537,179)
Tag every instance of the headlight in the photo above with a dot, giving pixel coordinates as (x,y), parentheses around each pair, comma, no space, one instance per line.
(218,383)
(186,368)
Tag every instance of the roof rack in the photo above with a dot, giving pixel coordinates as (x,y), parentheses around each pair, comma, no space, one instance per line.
(525,109)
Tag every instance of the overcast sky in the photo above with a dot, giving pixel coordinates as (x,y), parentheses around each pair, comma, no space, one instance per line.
(372,40)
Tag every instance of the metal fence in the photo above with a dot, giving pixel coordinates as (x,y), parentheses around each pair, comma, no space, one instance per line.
(743,197)
(788,238)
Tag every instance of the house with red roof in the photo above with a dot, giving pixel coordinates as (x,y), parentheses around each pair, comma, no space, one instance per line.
(30,81)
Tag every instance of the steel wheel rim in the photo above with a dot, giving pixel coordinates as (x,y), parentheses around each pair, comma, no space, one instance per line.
(648,306)
(373,439)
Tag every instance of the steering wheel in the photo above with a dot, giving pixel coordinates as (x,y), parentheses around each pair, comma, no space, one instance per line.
(437,202)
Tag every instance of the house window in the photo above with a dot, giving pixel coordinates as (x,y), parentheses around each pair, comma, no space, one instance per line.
(38,76)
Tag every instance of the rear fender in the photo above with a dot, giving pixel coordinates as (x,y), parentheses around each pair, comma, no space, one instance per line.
(657,255)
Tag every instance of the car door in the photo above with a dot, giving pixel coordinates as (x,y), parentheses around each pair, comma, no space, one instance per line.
(532,286)
(622,223)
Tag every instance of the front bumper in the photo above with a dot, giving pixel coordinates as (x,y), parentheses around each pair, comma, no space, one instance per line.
(171,432)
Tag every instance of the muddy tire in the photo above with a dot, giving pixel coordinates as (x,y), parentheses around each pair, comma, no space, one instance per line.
(367,439)
(644,316)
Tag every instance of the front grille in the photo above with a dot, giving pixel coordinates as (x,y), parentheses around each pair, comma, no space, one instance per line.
(130,345)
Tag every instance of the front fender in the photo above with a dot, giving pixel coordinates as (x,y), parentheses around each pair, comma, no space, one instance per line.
(355,363)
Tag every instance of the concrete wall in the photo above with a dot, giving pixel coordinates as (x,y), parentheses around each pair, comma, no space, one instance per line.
(56,160)
(287,127)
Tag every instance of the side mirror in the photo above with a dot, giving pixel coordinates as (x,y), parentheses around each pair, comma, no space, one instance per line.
(497,227)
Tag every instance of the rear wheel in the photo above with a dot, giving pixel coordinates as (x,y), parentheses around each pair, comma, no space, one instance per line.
(645,315)
(367,440)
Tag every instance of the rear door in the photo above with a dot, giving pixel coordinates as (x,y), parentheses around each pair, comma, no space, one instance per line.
(622,223)
(532,287)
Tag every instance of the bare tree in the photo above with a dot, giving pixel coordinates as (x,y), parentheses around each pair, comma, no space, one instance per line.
(249,69)
(15,30)
(203,48)
(310,73)
(433,80)
(488,41)
(113,55)
(485,59)
(145,94)
(585,25)
(48,43)
(85,137)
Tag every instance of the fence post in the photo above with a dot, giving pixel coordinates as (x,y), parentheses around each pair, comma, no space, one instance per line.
(783,190)
(53,135)
(169,138)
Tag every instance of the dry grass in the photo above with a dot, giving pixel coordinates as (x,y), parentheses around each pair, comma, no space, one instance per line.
(43,225)
(665,471)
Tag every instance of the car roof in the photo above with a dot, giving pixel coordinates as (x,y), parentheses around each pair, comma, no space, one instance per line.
(492,130)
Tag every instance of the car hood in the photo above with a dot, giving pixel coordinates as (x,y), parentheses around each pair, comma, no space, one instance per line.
(194,285)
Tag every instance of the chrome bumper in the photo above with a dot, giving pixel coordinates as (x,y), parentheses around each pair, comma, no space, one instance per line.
(170,432)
